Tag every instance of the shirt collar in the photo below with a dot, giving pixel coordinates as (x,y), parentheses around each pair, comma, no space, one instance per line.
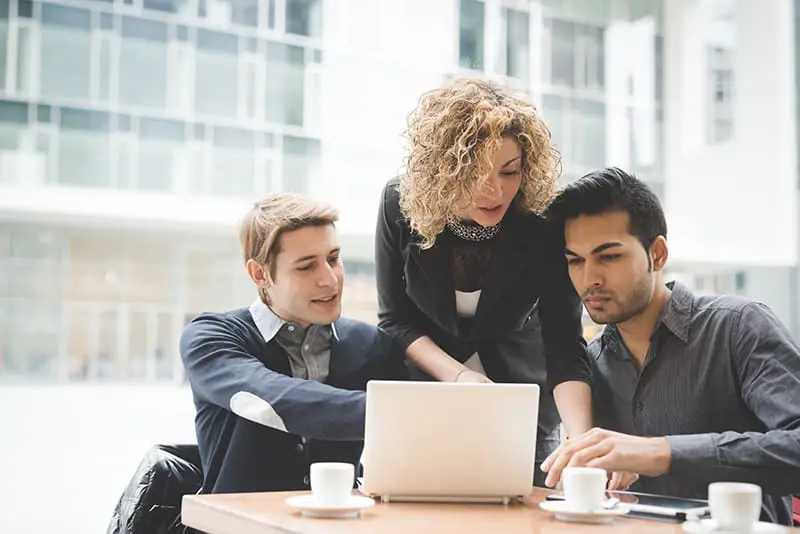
(269,324)
(676,316)
(677,313)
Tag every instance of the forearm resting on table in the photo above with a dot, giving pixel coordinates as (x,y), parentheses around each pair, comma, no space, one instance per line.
(574,402)
(426,355)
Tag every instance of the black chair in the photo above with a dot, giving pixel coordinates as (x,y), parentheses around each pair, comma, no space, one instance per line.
(151,503)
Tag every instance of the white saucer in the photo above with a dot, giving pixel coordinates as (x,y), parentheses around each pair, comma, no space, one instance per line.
(564,512)
(309,508)
(705,526)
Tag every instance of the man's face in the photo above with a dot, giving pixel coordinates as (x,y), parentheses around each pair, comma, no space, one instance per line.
(307,286)
(608,267)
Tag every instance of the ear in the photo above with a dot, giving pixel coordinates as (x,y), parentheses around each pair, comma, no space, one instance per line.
(659,252)
(258,273)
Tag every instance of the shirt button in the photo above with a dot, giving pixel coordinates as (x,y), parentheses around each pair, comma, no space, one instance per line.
(300,447)
(639,406)
(306,480)
(305,347)
(290,328)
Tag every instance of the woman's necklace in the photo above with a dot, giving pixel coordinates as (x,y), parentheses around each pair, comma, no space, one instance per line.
(473,232)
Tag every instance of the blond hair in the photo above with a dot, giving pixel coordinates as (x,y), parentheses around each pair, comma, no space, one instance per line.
(268,219)
(453,134)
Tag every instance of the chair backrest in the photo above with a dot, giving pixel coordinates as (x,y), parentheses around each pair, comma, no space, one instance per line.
(151,503)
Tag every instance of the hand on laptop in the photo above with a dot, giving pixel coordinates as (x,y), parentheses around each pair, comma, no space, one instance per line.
(611,451)
(469,376)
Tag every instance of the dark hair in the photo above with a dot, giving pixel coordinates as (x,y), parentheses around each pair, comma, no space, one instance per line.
(612,189)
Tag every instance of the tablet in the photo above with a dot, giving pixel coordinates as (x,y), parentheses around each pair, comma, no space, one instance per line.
(655,506)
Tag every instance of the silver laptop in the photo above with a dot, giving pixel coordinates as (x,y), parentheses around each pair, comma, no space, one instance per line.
(433,441)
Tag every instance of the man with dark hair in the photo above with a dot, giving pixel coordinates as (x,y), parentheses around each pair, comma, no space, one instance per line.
(688,389)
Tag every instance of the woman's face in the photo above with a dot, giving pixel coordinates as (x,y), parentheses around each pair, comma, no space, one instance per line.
(490,202)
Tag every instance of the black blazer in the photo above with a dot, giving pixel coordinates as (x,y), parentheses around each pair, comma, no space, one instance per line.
(527,327)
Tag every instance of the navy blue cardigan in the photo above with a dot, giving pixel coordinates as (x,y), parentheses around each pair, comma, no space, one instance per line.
(226,359)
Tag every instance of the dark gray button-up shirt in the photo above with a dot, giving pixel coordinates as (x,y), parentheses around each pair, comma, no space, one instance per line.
(722,382)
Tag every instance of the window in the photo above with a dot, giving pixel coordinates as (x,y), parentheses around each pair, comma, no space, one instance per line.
(721,98)
(720,39)
(180,76)
(517,27)
(560,35)
(66,47)
(590,53)
(285,87)
(300,163)
(217,73)
(659,66)
(553,114)
(193,167)
(83,148)
(251,84)
(125,159)
(143,63)
(265,163)
(588,133)
(245,12)
(159,141)
(105,48)
(28,44)
(4,47)
(233,166)
(304,17)
(470,35)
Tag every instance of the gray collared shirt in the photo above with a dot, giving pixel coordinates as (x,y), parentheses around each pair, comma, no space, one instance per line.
(722,382)
(308,349)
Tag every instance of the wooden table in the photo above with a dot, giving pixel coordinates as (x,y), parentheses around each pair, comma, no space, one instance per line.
(267,513)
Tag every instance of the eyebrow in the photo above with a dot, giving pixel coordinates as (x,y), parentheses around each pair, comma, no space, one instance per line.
(597,250)
(311,257)
(509,162)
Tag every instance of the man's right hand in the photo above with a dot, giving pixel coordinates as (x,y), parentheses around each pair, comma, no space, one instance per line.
(472,377)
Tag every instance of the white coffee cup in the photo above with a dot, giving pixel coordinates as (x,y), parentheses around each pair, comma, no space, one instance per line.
(734,505)
(332,482)
(584,487)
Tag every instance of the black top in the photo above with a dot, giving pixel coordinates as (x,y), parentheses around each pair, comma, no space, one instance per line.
(722,381)
(258,428)
(527,327)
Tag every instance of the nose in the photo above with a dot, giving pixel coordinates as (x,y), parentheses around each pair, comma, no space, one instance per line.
(592,277)
(329,276)
(491,189)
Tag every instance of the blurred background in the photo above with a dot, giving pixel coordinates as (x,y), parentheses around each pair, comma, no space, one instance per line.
(134,133)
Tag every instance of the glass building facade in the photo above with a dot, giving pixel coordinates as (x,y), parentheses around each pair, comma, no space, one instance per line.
(225,100)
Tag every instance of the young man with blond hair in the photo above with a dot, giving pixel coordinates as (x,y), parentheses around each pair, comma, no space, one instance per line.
(280,385)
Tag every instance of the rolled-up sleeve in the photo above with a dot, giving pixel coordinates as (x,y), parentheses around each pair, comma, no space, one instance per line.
(397,314)
(560,311)
(767,361)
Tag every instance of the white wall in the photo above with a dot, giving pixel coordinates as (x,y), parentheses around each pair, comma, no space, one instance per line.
(733,202)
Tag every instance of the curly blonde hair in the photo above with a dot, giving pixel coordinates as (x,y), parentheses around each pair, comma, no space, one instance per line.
(453,134)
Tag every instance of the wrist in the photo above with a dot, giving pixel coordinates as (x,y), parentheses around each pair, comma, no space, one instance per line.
(459,373)
(662,456)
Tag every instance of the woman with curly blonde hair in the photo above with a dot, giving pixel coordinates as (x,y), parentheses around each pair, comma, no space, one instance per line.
(472,281)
